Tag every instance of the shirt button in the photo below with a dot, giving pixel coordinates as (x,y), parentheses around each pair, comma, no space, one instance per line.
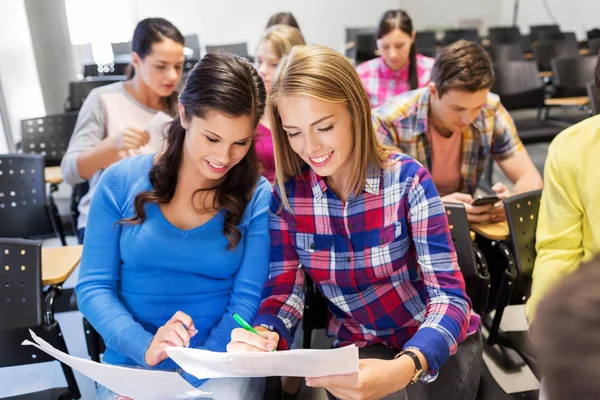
(381,241)
(364,312)
(348,259)
(312,246)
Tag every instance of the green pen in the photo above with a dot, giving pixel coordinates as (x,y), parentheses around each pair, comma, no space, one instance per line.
(245,325)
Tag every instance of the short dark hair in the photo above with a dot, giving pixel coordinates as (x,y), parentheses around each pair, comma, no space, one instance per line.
(463,66)
(283,18)
(597,73)
(565,335)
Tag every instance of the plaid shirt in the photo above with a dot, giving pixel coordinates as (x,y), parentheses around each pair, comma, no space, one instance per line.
(381,82)
(402,122)
(384,261)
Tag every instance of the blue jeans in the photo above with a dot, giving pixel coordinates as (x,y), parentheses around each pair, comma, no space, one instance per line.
(80,235)
(221,389)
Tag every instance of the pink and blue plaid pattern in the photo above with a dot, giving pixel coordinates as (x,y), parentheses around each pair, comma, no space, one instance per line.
(381,82)
(384,260)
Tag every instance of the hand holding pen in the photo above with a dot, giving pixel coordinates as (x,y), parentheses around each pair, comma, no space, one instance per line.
(176,332)
(248,339)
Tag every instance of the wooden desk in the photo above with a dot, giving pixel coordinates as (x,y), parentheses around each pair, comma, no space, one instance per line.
(568,101)
(545,74)
(492,231)
(58,263)
(53,175)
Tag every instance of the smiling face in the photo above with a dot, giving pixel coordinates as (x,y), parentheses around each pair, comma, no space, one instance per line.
(161,69)
(456,109)
(395,48)
(216,143)
(321,133)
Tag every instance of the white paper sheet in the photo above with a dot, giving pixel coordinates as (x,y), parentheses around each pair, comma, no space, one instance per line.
(157,128)
(303,363)
(139,384)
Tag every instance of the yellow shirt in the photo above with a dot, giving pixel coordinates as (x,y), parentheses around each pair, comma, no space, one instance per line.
(568,230)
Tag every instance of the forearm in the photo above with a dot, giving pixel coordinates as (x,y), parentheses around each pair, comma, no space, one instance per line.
(528,182)
(101,156)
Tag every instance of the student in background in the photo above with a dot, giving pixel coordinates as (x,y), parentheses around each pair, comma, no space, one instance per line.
(569,218)
(283,18)
(565,336)
(366,223)
(178,241)
(399,68)
(275,43)
(454,125)
(111,124)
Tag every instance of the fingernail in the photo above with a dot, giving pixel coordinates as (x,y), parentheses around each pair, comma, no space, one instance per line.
(187,345)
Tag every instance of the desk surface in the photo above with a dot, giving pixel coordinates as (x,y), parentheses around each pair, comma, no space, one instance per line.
(53,175)
(58,263)
(492,231)
(568,101)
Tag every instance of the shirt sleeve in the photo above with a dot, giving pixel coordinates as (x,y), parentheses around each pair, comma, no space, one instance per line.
(252,274)
(559,234)
(386,134)
(89,131)
(505,140)
(283,295)
(96,289)
(448,311)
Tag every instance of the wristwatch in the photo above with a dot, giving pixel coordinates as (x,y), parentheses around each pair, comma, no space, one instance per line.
(419,371)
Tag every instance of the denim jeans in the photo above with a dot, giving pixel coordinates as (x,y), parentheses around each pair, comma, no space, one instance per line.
(221,389)
(458,378)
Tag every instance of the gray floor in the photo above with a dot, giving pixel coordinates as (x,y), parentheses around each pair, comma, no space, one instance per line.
(25,379)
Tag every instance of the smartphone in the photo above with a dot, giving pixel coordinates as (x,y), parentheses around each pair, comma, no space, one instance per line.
(485,200)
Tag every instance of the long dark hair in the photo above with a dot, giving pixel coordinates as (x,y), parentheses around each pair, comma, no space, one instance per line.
(147,32)
(283,18)
(399,19)
(223,83)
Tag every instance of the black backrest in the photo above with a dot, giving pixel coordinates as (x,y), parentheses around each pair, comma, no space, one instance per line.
(594,46)
(476,283)
(192,42)
(544,52)
(366,45)
(535,30)
(551,36)
(352,33)
(453,35)
(48,136)
(505,51)
(426,39)
(594,96)
(504,34)
(522,217)
(117,68)
(239,49)
(79,90)
(23,209)
(21,283)
(572,74)
(518,84)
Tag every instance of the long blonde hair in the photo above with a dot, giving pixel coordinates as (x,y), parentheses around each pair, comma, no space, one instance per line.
(324,74)
(282,38)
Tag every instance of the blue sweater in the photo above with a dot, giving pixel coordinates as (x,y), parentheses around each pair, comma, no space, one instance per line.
(133,278)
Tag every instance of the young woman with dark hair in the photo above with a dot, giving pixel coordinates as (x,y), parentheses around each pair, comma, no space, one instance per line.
(178,241)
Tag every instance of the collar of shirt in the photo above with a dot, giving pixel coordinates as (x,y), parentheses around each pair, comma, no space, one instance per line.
(386,72)
(372,182)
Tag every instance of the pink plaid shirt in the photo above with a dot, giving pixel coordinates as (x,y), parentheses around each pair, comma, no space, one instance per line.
(381,82)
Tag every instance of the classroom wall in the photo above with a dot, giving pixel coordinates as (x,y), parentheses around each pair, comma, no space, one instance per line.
(18,71)
(229,21)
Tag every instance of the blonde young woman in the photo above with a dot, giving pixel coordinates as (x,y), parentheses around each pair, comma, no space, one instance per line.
(368,226)
(275,43)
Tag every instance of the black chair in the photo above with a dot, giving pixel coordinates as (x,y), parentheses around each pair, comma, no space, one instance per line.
(122,48)
(552,36)
(471,261)
(505,51)
(239,49)
(426,43)
(535,31)
(453,35)
(594,46)
(504,34)
(193,43)
(23,308)
(544,52)
(366,47)
(116,68)
(572,74)
(594,96)
(79,90)
(48,136)
(522,215)
(24,209)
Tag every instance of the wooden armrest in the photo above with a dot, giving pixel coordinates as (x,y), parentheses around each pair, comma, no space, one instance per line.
(492,231)
(545,74)
(528,56)
(53,175)
(568,101)
(584,52)
(58,263)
